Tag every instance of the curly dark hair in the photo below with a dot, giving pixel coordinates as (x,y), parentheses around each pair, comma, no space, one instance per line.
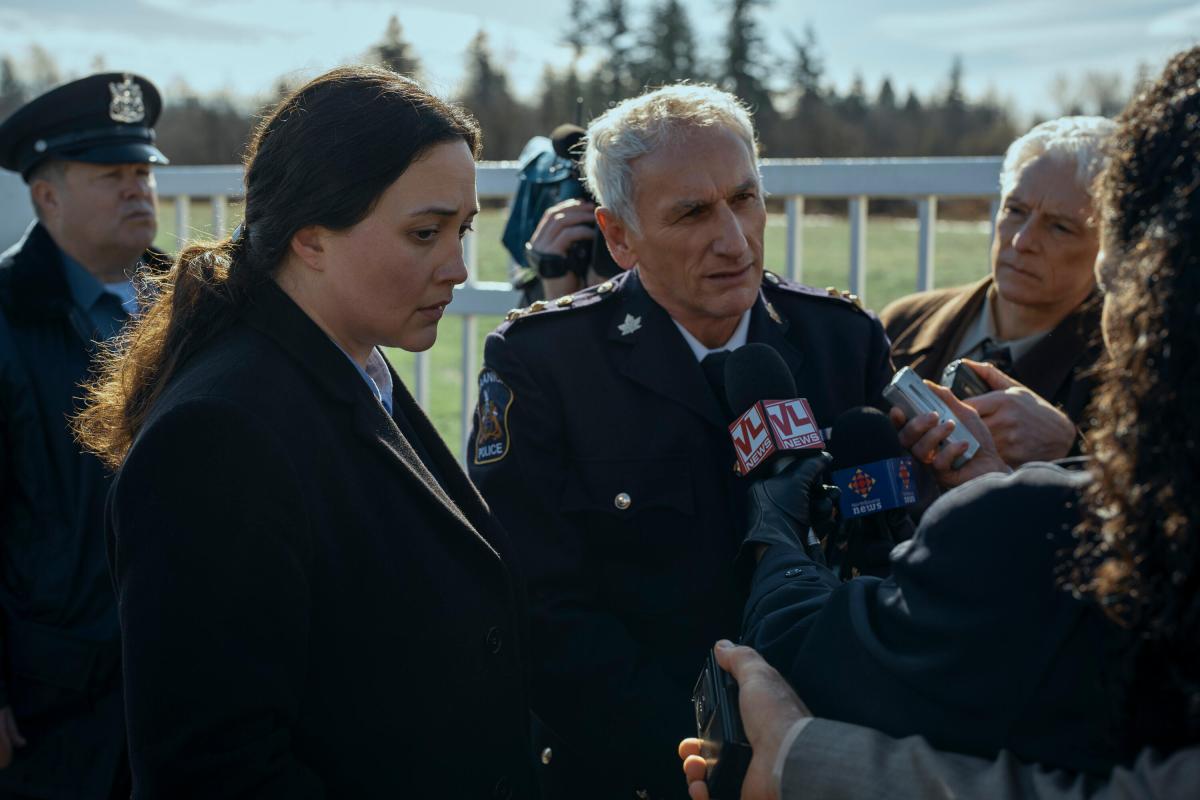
(1140,554)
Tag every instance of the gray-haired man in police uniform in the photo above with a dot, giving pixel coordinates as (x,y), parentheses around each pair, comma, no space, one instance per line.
(605,452)
(86,150)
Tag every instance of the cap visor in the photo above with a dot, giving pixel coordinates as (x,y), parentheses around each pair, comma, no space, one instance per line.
(122,153)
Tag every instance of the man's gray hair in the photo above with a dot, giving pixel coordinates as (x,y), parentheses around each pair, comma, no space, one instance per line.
(1082,138)
(640,125)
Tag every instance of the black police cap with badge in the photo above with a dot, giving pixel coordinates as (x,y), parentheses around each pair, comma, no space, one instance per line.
(101,119)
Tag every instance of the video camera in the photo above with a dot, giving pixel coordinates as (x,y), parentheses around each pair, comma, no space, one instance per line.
(549,177)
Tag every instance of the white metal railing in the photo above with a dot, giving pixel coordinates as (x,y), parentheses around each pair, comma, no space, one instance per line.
(921,180)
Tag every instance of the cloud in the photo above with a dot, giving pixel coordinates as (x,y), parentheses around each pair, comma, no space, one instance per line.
(1028,24)
(144,19)
(1178,23)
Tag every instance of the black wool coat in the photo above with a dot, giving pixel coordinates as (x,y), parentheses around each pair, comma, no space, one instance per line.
(306,611)
(973,642)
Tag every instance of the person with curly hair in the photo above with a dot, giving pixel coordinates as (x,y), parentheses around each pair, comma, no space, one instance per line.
(1135,560)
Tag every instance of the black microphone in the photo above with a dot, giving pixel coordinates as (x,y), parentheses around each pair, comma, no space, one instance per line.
(565,139)
(775,427)
(775,432)
(877,480)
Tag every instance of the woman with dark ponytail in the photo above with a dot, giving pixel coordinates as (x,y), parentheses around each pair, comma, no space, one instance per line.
(314,601)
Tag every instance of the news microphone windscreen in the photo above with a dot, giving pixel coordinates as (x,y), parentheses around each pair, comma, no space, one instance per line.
(756,372)
(861,435)
(564,138)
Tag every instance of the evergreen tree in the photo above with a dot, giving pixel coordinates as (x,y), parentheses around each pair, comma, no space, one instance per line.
(506,125)
(614,79)
(669,46)
(744,68)
(578,33)
(42,73)
(12,93)
(393,52)
(887,96)
(806,68)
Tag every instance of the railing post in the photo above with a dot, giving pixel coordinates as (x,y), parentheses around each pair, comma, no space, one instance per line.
(795,237)
(183,220)
(993,210)
(218,216)
(471,256)
(421,379)
(470,334)
(927,217)
(858,246)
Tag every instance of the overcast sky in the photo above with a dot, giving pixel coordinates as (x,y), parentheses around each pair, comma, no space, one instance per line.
(1015,47)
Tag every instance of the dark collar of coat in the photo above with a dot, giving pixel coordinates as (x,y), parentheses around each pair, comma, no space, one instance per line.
(31,276)
(270,311)
(1051,362)
(33,285)
(659,358)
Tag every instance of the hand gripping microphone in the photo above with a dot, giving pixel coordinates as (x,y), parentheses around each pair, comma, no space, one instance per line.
(779,446)
(776,430)
(878,482)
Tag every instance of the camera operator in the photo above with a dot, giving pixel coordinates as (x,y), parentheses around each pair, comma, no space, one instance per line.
(551,232)
(548,251)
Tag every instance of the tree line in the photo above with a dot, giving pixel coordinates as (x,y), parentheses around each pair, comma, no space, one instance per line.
(799,112)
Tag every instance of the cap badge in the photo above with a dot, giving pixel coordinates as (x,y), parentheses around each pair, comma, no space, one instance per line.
(630,325)
(127,105)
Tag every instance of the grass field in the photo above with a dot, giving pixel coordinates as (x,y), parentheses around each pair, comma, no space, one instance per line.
(960,257)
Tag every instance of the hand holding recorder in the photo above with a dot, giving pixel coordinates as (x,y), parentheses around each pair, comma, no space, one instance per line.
(1024,426)
(770,709)
(941,431)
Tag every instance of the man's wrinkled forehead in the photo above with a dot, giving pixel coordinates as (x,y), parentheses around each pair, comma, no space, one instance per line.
(680,180)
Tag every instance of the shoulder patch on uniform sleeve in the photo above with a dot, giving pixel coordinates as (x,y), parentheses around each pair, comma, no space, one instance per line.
(492,439)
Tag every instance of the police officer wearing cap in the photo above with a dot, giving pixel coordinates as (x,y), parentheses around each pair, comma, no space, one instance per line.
(601,446)
(86,150)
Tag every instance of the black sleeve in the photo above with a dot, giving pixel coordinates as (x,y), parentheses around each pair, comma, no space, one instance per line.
(210,557)
(11,389)
(590,681)
(930,649)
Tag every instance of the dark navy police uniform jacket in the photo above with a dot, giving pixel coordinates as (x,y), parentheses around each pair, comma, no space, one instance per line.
(59,641)
(604,452)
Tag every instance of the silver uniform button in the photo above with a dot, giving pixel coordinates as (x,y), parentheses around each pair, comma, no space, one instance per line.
(623,501)
(547,755)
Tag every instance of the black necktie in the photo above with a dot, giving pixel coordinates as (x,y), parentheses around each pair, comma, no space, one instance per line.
(999,356)
(713,366)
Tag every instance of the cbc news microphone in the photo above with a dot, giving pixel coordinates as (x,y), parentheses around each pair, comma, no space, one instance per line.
(878,483)
(779,448)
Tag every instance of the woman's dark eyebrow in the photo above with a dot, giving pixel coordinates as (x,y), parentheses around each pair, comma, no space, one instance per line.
(440,211)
